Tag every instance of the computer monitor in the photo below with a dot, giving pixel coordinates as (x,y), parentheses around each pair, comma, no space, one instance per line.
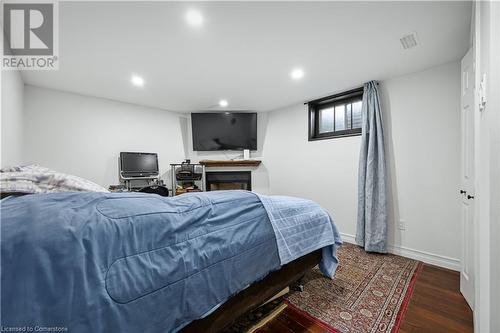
(138,165)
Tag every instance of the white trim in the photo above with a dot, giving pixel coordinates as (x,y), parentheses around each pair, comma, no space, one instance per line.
(348,238)
(427,257)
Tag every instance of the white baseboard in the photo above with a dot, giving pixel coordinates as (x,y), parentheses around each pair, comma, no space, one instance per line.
(348,238)
(427,257)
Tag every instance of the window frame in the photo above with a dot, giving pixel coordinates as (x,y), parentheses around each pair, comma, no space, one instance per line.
(315,106)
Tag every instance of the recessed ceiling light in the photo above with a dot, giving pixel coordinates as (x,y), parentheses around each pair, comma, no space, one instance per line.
(223,103)
(297,73)
(194,18)
(137,81)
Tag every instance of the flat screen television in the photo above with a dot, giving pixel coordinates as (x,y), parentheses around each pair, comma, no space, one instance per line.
(224,131)
(138,165)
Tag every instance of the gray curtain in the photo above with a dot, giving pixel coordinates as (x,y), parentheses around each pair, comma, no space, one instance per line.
(371,230)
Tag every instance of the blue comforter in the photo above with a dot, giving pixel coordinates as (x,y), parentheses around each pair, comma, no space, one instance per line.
(100,262)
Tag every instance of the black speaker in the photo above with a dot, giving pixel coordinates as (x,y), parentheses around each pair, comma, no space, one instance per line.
(156,189)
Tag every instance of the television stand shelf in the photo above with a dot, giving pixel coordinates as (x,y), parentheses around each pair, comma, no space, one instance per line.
(230,163)
(187,177)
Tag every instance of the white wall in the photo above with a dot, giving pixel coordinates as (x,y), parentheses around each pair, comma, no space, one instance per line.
(422,123)
(423,140)
(324,171)
(487,172)
(494,108)
(12,118)
(84,135)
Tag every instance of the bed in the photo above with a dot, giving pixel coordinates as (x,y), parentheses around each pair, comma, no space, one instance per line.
(130,262)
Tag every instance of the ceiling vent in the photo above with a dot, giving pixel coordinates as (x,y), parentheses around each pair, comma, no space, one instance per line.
(409,40)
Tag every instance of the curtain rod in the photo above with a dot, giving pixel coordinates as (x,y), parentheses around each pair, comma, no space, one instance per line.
(336,95)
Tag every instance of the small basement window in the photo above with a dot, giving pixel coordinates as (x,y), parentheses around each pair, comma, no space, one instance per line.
(336,116)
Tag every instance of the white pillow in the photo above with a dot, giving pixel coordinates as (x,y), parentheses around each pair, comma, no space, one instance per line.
(37,179)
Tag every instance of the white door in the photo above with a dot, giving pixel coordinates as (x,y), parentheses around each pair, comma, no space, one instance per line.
(467,179)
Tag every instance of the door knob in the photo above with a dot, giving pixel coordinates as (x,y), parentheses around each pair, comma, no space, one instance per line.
(463,192)
(470,197)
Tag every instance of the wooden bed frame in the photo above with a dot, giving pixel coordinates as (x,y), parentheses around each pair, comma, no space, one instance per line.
(255,295)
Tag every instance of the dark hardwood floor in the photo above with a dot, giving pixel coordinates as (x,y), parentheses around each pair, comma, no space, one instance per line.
(436,306)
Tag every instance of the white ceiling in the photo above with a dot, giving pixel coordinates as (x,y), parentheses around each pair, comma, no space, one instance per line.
(244,51)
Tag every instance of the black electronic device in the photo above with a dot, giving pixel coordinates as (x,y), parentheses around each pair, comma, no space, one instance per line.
(224,131)
(186,172)
(138,165)
(155,189)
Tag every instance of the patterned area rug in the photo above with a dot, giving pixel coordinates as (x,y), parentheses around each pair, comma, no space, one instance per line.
(370,292)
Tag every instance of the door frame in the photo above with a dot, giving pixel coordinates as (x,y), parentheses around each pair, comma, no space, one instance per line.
(486,27)
(477,140)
